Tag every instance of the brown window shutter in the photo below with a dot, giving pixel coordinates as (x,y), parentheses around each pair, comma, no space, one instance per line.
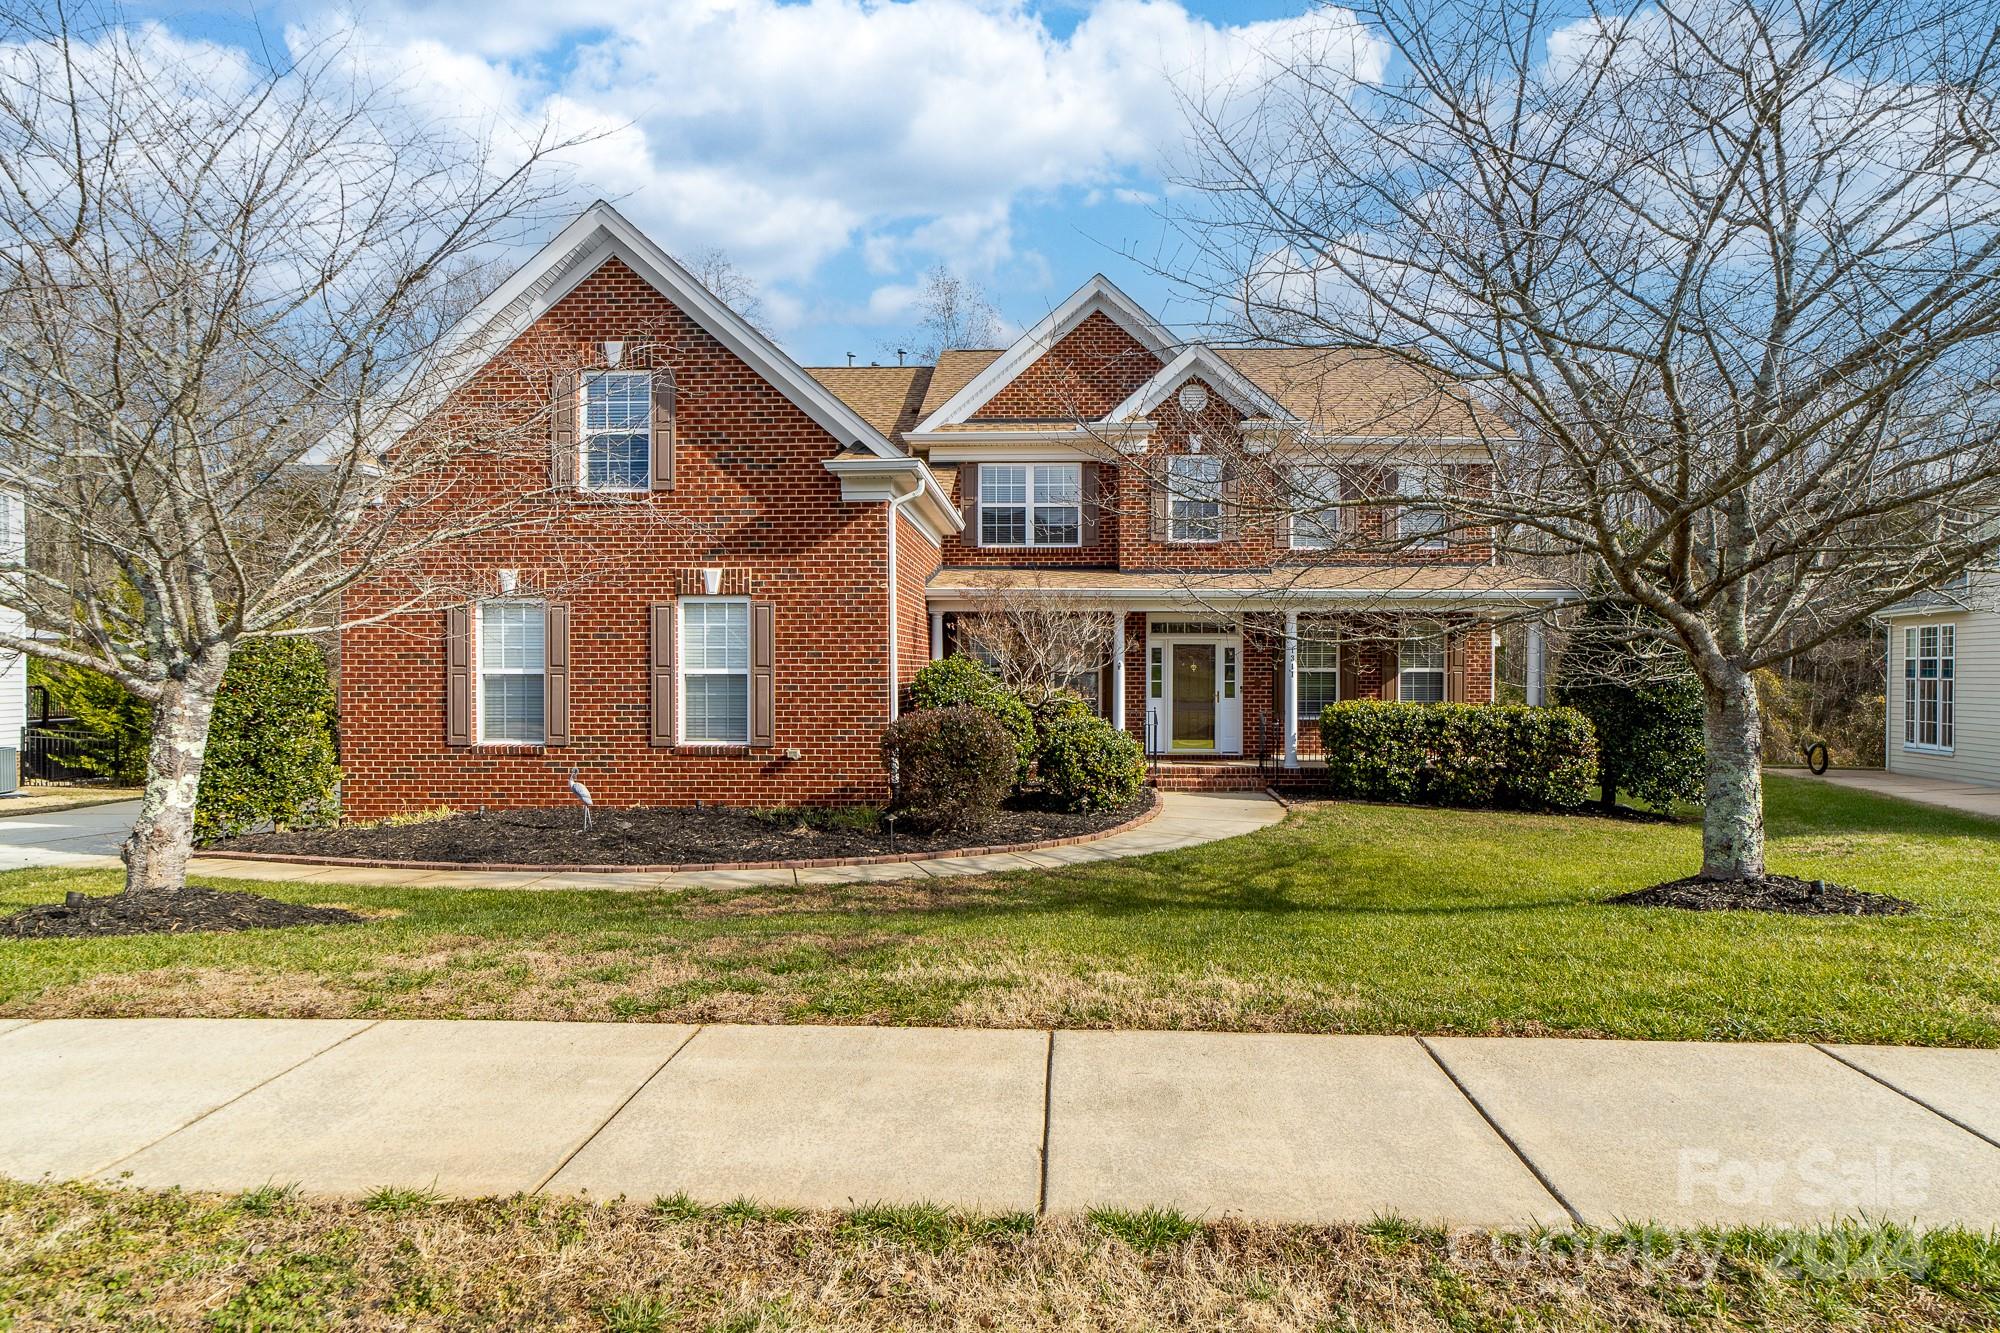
(1093,485)
(555,674)
(458,676)
(662,683)
(1232,501)
(1291,502)
(1347,669)
(968,501)
(1158,502)
(1454,667)
(562,431)
(763,675)
(663,429)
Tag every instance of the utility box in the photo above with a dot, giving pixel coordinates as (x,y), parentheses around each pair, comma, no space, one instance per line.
(10,768)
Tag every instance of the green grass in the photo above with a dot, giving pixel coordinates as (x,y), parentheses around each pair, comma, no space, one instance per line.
(1350,918)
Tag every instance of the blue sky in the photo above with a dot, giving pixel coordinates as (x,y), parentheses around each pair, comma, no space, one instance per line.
(834,149)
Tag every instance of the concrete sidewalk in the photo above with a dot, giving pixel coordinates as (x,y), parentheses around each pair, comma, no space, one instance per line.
(1478,1131)
(1187,819)
(1968,797)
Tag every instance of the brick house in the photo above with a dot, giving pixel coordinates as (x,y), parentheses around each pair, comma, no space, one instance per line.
(744,562)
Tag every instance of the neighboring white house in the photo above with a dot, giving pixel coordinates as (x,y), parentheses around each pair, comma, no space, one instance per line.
(1943,708)
(13,666)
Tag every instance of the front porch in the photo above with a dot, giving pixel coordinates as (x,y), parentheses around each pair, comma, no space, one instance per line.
(1221,695)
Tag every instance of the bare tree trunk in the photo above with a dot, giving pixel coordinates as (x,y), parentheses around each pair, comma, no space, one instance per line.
(156,855)
(1732,826)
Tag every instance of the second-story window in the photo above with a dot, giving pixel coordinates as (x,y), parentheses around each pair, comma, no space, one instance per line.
(1421,523)
(1030,504)
(1194,498)
(1315,507)
(616,439)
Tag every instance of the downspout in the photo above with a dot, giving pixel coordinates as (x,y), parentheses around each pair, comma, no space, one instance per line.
(896,504)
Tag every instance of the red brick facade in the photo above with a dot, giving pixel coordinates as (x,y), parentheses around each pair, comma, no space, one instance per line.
(751,496)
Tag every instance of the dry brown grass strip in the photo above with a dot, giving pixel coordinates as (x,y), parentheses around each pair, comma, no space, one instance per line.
(86,1257)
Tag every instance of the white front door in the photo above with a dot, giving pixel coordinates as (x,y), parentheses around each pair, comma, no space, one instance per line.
(1196,686)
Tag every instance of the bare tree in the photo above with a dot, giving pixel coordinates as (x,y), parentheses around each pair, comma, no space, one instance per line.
(952,312)
(1039,641)
(224,294)
(1728,272)
(715,270)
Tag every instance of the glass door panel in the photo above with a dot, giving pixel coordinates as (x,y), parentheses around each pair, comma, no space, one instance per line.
(1194,696)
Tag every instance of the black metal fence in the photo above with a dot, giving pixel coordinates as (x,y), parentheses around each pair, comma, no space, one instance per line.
(67,755)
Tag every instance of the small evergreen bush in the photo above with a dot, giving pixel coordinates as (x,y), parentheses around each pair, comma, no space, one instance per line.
(1088,764)
(271,756)
(1459,754)
(958,680)
(953,767)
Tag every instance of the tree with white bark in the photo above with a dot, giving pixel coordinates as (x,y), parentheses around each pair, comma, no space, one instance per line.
(1728,271)
(953,312)
(224,293)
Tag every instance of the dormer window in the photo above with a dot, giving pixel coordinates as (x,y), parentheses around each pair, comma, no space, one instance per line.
(616,439)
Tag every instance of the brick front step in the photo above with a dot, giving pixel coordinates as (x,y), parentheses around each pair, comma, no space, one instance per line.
(1183,775)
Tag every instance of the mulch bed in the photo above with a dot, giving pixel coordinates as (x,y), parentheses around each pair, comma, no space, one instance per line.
(665,836)
(180,913)
(1772,893)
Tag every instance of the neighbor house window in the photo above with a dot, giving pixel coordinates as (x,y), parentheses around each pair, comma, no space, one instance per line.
(1420,525)
(1929,681)
(715,670)
(1315,507)
(513,656)
(1420,665)
(1030,504)
(617,430)
(1319,676)
(1194,498)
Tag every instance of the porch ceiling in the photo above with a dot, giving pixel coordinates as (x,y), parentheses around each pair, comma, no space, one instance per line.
(1328,584)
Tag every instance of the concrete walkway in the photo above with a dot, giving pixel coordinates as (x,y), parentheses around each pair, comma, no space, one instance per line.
(90,839)
(1477,1131)
(1968,797)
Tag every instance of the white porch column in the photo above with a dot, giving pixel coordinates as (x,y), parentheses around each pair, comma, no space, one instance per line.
(1291,689)
(937,635)
(1118,669)
(1537,684)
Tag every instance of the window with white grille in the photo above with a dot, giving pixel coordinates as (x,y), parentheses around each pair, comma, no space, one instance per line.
(513,662)
(715,670)
(1930,681)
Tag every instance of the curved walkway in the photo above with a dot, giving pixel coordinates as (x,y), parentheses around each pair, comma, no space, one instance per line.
(1187,819)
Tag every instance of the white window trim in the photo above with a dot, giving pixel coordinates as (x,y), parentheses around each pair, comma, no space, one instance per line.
(1221,505)
(1442,670)
(1947,714)
(583,433)
(1327,520)
(1301,671)
(1405,491)
(479,674)
(681,673)
(1028,506)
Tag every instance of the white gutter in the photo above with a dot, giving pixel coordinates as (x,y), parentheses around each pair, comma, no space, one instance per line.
(895,507)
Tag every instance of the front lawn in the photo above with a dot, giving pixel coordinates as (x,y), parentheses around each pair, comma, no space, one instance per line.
(1345,918)
(84,1256)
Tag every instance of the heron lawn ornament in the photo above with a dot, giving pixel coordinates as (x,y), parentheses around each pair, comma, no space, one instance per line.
(582,793)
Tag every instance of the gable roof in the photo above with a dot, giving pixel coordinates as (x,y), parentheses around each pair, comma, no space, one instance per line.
(1357,392)
(599,234)
(1210,367)
(889,398)
(1098,296)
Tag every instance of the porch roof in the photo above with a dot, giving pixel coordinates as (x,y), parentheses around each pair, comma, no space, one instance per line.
(1354,585)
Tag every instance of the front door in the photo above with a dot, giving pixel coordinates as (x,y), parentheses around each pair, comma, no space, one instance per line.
(1195,696)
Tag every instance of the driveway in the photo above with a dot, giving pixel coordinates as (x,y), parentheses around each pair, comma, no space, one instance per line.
(88,837)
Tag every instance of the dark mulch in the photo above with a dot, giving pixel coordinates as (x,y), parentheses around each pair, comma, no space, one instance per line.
(668,836)
(179,913)
(1773,893)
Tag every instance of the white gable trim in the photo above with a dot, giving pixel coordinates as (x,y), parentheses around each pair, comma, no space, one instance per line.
(600,233)
(1099,295)
(1203,362)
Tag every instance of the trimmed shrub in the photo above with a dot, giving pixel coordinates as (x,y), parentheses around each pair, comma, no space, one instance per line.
(1088,764)
(271,756)
(960,681)
(1644,702)
(952,767)
(1459,754)
(1051,709)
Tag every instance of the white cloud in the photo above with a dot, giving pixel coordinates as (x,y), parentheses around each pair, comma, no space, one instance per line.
(789,134)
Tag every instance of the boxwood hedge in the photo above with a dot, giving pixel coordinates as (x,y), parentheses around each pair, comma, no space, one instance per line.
(1459,754)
